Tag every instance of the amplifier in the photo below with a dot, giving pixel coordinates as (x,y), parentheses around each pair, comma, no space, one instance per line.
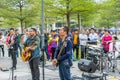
(87,66)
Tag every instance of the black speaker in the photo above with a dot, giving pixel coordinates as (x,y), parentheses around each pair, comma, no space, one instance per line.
(87,66)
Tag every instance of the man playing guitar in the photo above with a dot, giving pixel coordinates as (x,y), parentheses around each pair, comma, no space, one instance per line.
(33,45)
(63,57)
(13,46)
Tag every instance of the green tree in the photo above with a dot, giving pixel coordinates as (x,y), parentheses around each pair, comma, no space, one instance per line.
(25,12)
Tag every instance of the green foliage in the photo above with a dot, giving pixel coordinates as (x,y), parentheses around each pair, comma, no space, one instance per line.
(104,14)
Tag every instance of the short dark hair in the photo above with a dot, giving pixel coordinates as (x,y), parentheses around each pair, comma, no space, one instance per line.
(12,29)
(54,31)
(92,29)
(107,30)
(115,37)
(66,29)
(21,35)
(34,29)
(16,29)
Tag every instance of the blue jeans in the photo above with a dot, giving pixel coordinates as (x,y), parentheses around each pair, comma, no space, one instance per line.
(19,47)
(64,71)
(73,57)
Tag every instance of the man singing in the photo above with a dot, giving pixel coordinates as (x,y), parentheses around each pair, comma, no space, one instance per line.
(33,44)
(64,60)
(13,46)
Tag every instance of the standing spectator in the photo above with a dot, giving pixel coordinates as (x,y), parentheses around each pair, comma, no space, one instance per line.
(54,43)
(87,33)
(106,40)
(25,32)
(76,43)
(93,37)
(46,44)
(2,40)
(70,35)
(115,47)
(18,44)
(21,40)
(7,42)
(83,41)
(49,44)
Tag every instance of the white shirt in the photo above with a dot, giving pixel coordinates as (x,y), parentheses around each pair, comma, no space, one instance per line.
(83,39)
(25,37)
(93,37)
(2,40)
(116,45)
(117,48)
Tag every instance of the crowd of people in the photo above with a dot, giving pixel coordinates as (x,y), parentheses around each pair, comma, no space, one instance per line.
(75,48)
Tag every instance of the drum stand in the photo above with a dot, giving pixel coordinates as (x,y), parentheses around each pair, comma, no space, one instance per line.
(114,63)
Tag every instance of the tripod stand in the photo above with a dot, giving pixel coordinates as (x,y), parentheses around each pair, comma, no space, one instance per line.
(43,64)
(12,74)
(14,62)
(113,62)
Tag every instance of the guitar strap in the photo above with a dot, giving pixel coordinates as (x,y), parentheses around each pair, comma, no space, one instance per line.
(62,48)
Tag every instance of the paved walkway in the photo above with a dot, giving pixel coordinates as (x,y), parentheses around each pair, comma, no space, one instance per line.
(23,70)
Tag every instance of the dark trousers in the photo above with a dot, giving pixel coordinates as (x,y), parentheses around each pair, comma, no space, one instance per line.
(64,71)
(2,48)
(46,51)
(83,51)
(34,66)
(12,52)
(76,47)
(53,51)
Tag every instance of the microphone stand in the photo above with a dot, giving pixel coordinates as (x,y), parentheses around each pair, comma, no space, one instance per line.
(12,70)
(42,18)
(43,64)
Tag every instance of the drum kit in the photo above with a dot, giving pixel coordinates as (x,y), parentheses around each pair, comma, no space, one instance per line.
(106,64)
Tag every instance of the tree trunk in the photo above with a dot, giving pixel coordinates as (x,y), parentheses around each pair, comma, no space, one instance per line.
(68,19)
(108,23)
(79,21)
(68,12)
(21,20)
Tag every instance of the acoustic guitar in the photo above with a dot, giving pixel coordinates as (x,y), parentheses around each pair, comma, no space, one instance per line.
(26,55)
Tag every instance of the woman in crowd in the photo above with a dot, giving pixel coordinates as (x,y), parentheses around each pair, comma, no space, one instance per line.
(7,41)
(106,40)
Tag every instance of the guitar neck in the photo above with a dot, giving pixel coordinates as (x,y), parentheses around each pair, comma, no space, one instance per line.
(61,50)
